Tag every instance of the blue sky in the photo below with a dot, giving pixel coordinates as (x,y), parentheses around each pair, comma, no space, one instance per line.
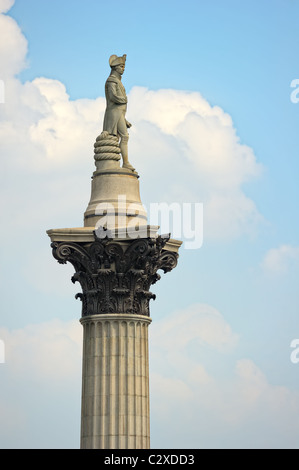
(199,76)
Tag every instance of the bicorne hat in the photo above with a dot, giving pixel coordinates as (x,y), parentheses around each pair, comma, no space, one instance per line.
(114,60)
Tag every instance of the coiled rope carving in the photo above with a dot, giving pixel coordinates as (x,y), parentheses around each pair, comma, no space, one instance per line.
(106,147)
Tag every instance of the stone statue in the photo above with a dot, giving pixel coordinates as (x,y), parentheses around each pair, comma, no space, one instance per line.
(115,123)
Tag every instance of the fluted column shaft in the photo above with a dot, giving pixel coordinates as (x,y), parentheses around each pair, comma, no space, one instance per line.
(115,383)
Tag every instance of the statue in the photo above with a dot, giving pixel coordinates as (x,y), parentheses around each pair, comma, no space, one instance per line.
(115,123)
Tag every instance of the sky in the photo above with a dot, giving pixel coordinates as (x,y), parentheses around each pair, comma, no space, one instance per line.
(212,96)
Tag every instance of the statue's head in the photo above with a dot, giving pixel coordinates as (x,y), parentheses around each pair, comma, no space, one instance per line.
(118,63)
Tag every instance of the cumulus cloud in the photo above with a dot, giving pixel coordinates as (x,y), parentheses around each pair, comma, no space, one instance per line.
(278,260)
(178,340)
(13,44)
(204,134)
(47,352)
(6,5)
(195,145)
(52,131)
(200,322)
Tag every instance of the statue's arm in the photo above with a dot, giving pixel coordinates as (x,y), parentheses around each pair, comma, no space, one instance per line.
(115,94)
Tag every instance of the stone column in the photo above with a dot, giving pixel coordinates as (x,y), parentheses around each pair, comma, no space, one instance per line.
(116,257)
(115,387)
(115,276)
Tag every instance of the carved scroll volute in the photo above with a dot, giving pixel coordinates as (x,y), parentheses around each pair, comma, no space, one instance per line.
(167,261)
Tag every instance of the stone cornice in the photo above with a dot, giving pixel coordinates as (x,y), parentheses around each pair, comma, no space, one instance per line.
(86,235)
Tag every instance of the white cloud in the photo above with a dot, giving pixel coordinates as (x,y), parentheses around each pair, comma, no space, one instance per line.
(278,260)
(13,46)
(203,134)
(199,322)
(44,353)
(67,129)
(180,136)
(49,130)
(6,5)
(230,215)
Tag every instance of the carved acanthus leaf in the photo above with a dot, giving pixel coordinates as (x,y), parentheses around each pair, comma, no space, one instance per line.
(114,279)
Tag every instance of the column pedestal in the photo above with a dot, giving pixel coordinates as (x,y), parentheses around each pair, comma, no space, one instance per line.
(115,385)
